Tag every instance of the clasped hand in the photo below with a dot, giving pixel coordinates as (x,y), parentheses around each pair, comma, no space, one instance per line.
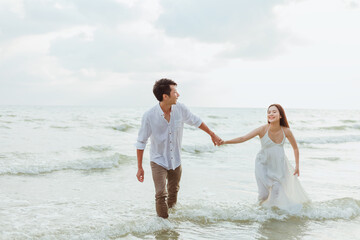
(216,140)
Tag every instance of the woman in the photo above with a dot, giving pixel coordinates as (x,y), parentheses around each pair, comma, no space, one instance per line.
(276,179)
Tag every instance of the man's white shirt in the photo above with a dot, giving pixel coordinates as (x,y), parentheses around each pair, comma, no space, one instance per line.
(165,136)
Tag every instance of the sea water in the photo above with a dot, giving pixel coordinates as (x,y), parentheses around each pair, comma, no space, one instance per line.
(69,173)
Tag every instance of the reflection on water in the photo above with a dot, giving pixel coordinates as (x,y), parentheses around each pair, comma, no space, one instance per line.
(167,234)
(289,229)
(159,235)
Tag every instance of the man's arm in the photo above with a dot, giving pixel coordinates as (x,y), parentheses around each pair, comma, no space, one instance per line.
(193,120)
(144,134)
(214,138)
(140,172)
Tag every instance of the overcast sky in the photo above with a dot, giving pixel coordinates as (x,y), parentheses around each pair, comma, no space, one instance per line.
(229,53)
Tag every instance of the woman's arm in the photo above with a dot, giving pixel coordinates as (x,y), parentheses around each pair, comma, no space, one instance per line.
(250,135)
(293,143)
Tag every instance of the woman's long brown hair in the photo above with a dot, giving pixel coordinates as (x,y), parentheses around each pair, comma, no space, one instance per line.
(283,119)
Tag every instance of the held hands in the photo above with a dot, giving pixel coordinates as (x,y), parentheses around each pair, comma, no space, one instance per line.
(140,175)
(216,139)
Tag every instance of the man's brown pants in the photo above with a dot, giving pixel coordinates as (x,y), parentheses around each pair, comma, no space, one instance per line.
(165,198)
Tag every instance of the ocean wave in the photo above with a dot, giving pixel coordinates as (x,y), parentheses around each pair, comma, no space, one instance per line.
(122,127)
(8,122)
(59,127)
(348,121)
(356,126)
(110,223)
(205,213)
(128,229)
(96,148)
(34,120)
(100,163)
(330,139)
(197,149)
(344,208)
(142,226)
(216,117)
(341,127)
(327,158)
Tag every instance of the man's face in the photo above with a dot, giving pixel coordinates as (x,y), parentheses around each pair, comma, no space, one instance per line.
(173,95)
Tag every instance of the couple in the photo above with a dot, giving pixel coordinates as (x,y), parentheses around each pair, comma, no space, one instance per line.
(164,125)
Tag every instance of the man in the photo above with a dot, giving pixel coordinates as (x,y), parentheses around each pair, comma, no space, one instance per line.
(164,124)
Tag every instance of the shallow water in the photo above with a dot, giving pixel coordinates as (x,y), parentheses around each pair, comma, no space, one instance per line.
(69,173)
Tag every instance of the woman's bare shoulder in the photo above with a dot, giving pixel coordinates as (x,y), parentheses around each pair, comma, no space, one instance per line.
(262,130)
(287,131)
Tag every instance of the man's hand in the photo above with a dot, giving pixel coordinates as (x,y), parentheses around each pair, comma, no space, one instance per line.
(215,139)
(140,175)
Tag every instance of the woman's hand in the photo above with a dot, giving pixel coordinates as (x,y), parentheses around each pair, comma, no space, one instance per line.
(297,171)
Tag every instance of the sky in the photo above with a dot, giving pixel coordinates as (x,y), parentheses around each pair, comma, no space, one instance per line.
(229,53)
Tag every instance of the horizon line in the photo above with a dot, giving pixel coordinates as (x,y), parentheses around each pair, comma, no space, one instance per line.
(147,106)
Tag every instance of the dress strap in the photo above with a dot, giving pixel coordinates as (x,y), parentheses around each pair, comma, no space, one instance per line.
(267,130)
(284,137)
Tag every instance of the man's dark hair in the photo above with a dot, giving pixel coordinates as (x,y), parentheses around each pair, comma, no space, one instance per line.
(161,87)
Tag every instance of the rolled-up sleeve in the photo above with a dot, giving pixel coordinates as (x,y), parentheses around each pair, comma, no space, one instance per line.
(190,118)
(144,133)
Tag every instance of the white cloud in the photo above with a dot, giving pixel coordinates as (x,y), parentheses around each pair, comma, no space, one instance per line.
(221,53)
(248,26)
(39,44)
(15,6)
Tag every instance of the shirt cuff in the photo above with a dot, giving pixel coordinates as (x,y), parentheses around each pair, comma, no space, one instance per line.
(140,145)
(198,123)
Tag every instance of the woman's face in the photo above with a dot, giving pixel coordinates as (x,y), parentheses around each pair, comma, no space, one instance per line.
(273,114)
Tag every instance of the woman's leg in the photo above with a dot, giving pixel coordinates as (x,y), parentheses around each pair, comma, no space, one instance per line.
(263,191)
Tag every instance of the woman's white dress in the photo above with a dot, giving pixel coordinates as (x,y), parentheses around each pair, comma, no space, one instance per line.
(274,175)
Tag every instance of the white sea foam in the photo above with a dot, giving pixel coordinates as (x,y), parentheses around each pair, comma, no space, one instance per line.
(198,148)
(330,139)
(340,127)
(72,220)
(77,220)
(96,148)
(123,127)
(204,212)
(40,167)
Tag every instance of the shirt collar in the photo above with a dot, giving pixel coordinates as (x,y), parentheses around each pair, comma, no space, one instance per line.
(161,113)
